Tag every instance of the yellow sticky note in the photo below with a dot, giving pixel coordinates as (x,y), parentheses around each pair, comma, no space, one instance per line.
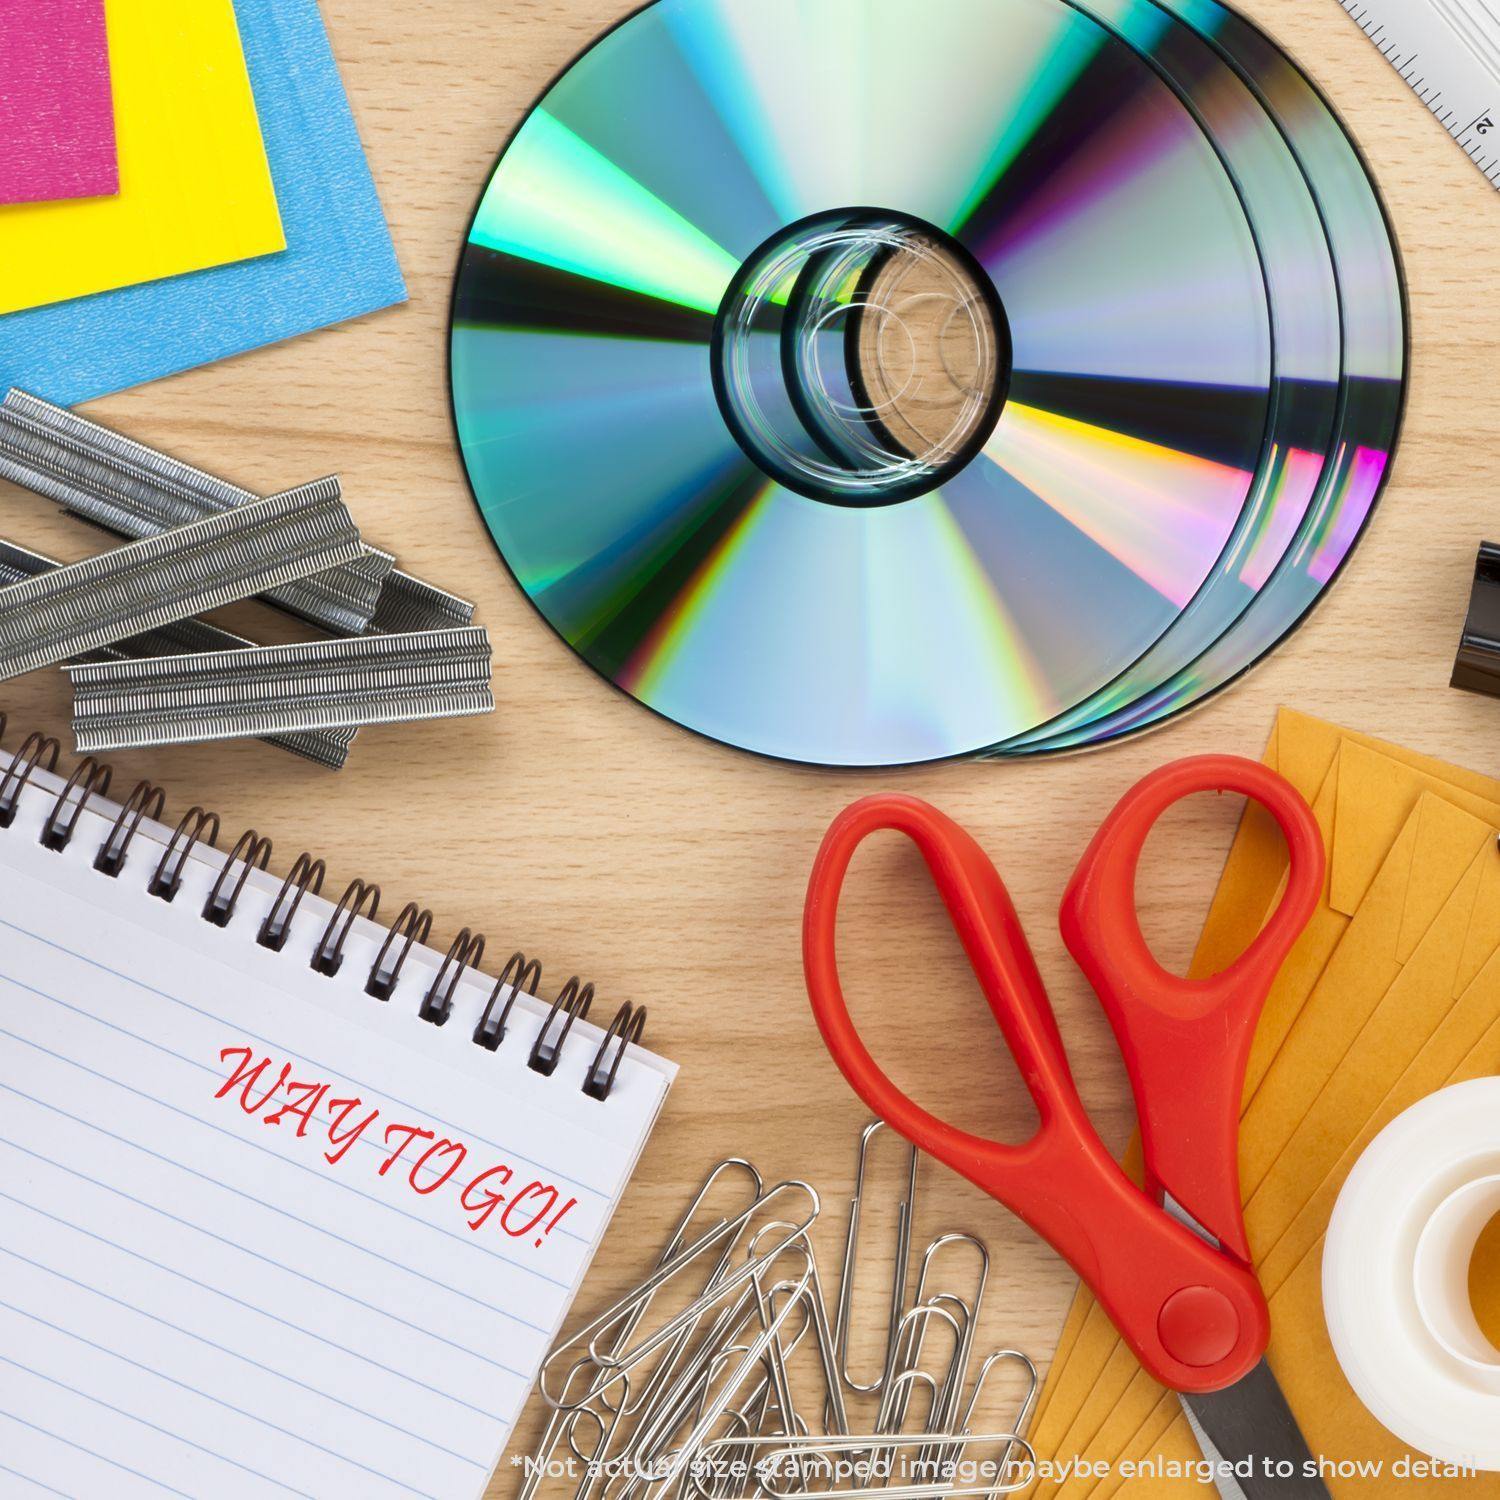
(195,186)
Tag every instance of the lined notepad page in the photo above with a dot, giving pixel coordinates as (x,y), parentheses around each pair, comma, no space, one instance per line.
(260,1233)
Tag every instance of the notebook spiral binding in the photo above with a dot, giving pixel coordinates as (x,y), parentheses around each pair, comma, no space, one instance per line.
(520,974)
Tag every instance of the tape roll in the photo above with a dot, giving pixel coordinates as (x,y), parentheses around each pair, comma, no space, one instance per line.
(1396,1275)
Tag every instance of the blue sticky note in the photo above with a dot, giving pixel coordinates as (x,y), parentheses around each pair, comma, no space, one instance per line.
(339,261)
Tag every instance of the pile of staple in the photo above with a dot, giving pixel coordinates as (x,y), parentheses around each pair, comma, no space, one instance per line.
(123,623)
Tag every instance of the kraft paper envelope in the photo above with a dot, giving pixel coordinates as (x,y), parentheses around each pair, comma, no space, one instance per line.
(1373,795)
(195,187)
(1465,1045)
(1436,850)
(1421,1009)
(1355,776)
(1432,1012)
(1431,855)
(1385,781)
(1305,750)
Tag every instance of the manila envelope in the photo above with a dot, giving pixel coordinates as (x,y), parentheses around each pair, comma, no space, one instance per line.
(1435,851)
(1287,1214)
(1465,1044)
(1253,877)
(1360,813)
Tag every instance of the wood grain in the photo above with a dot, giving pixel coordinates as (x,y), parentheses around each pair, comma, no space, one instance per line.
(671,870)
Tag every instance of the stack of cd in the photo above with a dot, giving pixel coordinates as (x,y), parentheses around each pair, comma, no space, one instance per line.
(865,382)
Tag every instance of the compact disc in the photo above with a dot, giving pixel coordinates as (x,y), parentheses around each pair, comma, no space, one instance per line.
(868,382)
(1372,391)
(1307,348)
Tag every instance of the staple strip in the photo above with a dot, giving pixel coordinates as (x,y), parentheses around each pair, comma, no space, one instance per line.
(408,604)
(373,679)
(328,747)
(134,491)
(130,590)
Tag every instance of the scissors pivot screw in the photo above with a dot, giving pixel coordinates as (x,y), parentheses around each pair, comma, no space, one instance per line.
(1199,1326)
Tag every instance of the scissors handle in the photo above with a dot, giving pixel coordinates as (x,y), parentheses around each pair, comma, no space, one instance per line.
(1195,1317)
(1186,1041)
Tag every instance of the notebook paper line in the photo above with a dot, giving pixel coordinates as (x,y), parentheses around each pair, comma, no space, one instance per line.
(251,1198)
(484,1249)
(490,1252)
(150,989)
(103,1458)
(239,1411)
(62,1385)
(135,1242)
(35,1483)
(228,1297)
(256,1254)
(266,1369)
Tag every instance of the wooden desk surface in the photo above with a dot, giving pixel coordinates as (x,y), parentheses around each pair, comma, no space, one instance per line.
(671,870)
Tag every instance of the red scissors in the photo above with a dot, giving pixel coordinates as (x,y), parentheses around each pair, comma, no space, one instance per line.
(1170,1264)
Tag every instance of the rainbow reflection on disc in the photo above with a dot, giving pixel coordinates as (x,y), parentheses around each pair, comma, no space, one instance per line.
(867,382)
(1371,399)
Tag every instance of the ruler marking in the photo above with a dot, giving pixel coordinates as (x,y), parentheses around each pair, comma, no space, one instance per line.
(1447,52)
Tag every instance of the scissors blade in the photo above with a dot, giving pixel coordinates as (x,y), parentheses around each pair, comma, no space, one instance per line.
(1225,1483)
(1249,1429)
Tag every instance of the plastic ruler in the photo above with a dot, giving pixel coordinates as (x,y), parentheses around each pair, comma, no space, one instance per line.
(1448,52)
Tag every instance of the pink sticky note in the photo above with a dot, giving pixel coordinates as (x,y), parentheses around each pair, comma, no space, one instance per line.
(57,124)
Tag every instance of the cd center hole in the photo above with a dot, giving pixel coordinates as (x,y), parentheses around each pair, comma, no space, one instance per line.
(862,358)
(927,352)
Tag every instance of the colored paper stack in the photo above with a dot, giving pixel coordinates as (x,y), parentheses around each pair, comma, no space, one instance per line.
(1392,993)
(181,181)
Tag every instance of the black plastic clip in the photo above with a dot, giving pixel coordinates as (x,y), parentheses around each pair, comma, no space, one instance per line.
(1477,669)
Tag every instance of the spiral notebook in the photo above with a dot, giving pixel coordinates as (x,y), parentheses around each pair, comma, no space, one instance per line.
(289,1204)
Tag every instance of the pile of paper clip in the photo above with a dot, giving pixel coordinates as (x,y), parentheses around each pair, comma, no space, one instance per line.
(725,1374)
(145,671)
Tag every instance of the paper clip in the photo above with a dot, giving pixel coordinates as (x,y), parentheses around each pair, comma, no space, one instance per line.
(674,1244)
(991,1362)
(1028,1400)
(712,1403)
(684,1397)
(617,1363)
(328,747)
(134,492)
(563,1425)
(628,1324)
(905,1210)
(559,1425)
(968,1315)
(906,1350)
(133,589)
(219,695)
(714,1409)
(835,1416)
(751,1414)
